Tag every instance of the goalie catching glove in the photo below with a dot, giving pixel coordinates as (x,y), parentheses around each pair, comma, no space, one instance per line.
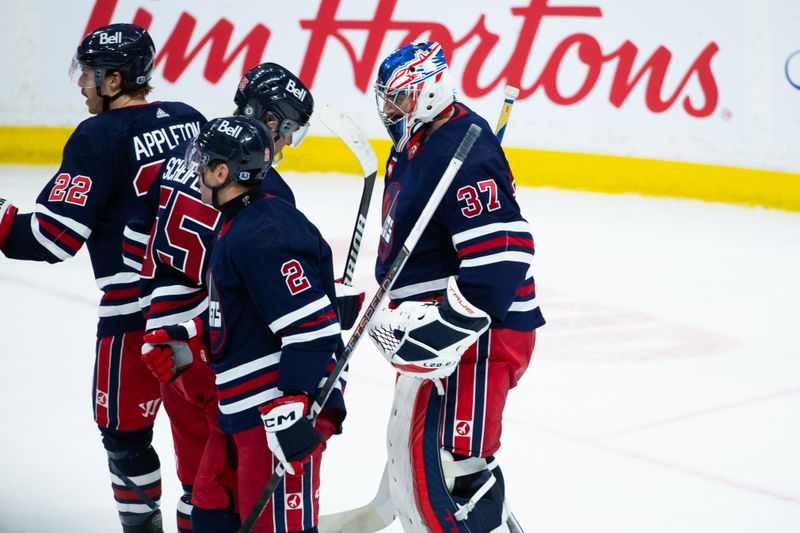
(427,340)
(7,213)
(168,352)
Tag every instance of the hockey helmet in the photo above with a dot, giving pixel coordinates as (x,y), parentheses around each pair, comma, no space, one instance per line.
(242,143)
(413,87)
(126,48)
(269,92)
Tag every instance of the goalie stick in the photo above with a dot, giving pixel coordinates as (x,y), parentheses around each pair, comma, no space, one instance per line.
(379,513)
(346,129)
(394,270)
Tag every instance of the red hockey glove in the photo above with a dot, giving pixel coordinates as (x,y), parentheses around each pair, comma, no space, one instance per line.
(349,301)
(170,351)
(7,213)
(290,436)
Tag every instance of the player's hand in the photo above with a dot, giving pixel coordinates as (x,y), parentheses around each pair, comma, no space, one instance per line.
(290,436)
(349,301)
(168,352)
(427,340)
(7,213)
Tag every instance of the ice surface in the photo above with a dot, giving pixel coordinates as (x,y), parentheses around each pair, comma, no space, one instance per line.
(664,395)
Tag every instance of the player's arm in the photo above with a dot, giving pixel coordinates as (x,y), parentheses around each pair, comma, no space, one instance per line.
(137,230)
(287,290)
(68,206)
(493,242)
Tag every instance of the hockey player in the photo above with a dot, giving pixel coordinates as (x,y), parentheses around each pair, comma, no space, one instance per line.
(274,330)
(461,325)
(108,163)
(173,289)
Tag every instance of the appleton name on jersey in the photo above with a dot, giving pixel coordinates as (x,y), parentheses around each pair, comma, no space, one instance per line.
(108,163)
(477,233)
(271,281)
(169,241)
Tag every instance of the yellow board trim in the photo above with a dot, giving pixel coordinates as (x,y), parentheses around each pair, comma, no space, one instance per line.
(538,168)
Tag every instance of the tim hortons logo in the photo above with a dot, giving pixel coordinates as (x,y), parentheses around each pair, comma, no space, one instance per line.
(629,69)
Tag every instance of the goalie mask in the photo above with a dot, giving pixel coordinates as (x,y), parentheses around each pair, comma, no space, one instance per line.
(413,87)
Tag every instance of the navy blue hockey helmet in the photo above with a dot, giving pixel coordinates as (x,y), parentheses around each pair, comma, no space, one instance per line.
(125,48)
(269,92)
(242,143)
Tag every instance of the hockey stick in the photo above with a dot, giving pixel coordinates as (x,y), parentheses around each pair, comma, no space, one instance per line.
(343,127)
(511,94)
(379,513)
(394,270)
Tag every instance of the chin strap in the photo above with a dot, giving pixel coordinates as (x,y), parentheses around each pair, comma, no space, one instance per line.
(107,99)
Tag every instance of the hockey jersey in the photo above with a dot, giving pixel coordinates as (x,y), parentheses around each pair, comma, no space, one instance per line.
(273,320)
(169,242)
(108,164)
(477,233)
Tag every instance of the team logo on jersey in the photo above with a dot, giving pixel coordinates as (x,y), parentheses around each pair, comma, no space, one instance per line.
(216,320)
(388,212)
(102,399)
(463,428)
(150,407)
(294,501)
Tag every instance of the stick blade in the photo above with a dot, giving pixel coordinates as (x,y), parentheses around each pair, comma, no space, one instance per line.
(344,127)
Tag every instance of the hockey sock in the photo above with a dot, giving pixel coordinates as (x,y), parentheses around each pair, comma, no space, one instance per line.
(184,518)
(135,478)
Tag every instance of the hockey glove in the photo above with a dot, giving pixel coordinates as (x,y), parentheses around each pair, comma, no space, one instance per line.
(7,213)
(427,340)
(349,301)
(172,350)
(290,436)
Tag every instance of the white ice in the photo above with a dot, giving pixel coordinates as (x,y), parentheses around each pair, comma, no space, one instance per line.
(663,397)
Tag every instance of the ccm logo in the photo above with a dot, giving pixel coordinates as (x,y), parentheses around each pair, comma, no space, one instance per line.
(111,38)
(279,420)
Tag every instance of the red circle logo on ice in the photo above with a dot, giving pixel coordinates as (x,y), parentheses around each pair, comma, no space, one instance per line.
(294,501)
(463,428)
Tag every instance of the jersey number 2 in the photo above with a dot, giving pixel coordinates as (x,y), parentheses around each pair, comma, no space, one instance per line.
(295,278)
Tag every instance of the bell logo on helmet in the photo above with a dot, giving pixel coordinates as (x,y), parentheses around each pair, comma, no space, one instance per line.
(226,128)
(243,83)
(299,93)
(267,154)
(111,38)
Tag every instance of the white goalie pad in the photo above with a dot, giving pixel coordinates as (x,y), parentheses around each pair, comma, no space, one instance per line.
(427,340)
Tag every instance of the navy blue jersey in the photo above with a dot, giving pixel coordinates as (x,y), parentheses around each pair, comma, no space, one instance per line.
(477,233)
(108,163)
(169,242)
(273,320)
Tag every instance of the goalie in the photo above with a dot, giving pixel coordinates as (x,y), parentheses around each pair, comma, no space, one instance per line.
(460,328)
